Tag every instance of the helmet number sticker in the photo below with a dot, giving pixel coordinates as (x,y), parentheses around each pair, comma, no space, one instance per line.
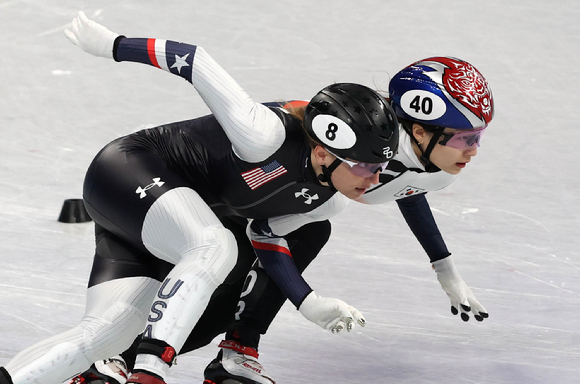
(425,105)
(422,105)
(333,132)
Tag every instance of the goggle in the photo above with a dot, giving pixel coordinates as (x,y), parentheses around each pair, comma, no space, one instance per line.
(363,169)
(462,140)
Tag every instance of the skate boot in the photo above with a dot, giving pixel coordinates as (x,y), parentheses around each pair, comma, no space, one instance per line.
(236,364)
(109,371)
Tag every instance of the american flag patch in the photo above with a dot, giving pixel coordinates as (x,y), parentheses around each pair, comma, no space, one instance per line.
(261,175)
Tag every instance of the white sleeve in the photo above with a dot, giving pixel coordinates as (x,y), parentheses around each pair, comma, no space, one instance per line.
(254,130)
(283,225)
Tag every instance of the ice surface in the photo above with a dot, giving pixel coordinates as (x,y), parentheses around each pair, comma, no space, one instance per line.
(511,219)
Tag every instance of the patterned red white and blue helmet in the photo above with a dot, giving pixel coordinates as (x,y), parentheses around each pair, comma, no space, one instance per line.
(442,91)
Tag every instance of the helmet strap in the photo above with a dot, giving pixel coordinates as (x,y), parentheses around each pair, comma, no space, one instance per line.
(326,174)
(429,166)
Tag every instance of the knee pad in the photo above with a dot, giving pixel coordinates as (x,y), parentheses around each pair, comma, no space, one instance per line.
(219,252)
(224,238)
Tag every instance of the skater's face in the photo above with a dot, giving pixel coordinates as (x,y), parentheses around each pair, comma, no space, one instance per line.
(343,179)
(449,158)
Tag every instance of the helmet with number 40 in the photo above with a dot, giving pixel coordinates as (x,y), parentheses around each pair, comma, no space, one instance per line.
(442,91)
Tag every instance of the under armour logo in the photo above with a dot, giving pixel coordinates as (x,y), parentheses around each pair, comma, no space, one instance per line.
(156,182)
(306,196)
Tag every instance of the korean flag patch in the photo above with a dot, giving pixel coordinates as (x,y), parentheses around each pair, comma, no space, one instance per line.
(409,191)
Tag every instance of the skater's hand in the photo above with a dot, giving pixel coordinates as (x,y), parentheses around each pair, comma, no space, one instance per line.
(331,314)
(462,299)
(91,37)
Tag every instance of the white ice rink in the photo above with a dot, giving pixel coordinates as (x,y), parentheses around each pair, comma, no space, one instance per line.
(511,220)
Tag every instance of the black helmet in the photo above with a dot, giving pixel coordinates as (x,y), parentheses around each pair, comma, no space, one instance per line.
(353,121)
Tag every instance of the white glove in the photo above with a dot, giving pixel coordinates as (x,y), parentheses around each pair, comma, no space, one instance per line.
(460,294)
(91,37)
(330,314)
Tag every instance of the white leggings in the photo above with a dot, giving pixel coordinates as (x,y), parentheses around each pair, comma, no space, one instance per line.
(179,228)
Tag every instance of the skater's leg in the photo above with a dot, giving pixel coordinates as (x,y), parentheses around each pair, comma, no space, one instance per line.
(116,312)
(216,319)
(259,303)
(180,228)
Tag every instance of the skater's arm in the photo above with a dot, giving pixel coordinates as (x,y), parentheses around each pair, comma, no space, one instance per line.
(254,130)
(267,236)
(418,215)
(275,256)
(329,313)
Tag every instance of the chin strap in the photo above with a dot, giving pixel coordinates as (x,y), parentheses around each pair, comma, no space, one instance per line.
(429,166)
(327,173)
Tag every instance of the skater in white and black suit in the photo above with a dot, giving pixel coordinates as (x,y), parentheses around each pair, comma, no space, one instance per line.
(158,194)
(444,105)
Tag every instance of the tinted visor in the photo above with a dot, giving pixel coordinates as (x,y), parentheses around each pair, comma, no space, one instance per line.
(363,169)
(462,140)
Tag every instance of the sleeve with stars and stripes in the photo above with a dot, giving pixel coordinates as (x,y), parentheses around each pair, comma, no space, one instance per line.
(254,130)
